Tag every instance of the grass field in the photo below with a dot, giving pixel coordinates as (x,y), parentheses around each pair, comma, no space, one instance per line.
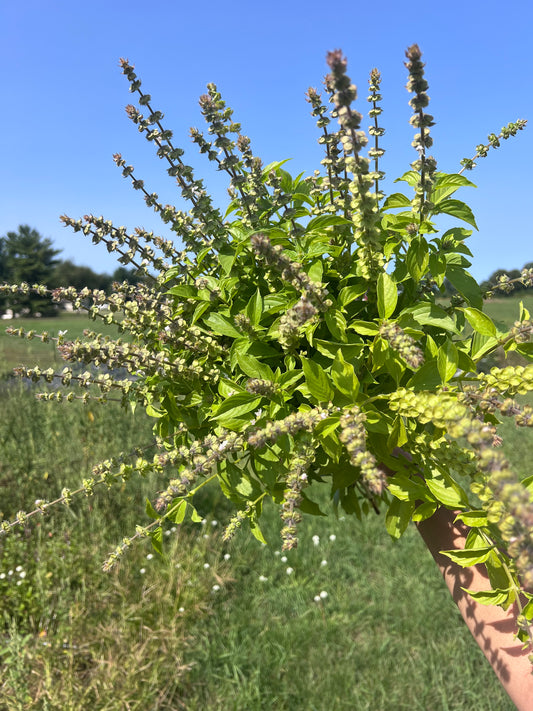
(210,625)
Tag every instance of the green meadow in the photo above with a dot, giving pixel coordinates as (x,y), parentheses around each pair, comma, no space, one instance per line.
(234,627)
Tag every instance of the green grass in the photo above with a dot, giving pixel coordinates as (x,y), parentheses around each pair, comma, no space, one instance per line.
(16,351)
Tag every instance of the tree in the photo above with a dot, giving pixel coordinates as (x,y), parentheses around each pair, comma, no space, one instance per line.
(27,257)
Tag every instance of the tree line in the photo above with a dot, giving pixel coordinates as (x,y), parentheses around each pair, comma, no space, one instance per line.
(26,256)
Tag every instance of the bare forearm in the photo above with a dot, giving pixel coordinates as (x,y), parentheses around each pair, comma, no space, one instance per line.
(492,627)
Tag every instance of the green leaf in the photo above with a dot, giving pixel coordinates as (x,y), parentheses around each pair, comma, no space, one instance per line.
(489,597)
(427,315)
(387,293)
(256,531)
(317,381)
(157,539)
(236,405)
(465,284)
(396,200)
(336,323)
(176,513)
(253,367)
(222,325)
(349,293)
(344,378)
(458,209)
(469,556)
(405,489)
(417,259)
(254,308)
(150,511)
(398,517)
(425,511)
(226,257)
(446,490)
(447,360)
(364,328)
(411,177)
(480,322)
(482,345)
(473,519)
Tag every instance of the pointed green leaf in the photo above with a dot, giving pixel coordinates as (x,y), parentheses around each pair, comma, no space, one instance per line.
(396,200)
(480,322)
(398,517)
(387,293)
(417,258)
(237,405)
(465,284)
(469,556)
(156,537)
(222,325)
(458,209)
(489,597)
(447,360)
(317,381)
(254,308)
(344,378)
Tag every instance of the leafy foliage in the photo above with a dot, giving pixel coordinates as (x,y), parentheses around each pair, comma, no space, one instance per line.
(300,338)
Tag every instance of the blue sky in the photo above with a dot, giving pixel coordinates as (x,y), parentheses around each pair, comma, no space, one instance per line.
(62,101)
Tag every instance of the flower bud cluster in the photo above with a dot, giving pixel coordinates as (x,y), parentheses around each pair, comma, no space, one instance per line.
(293,423)
(353,436)
(513,380)
(236,522)
(265,388)
(403,344)
(296,480)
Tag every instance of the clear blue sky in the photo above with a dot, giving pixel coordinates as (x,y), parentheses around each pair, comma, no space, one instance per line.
(62,101)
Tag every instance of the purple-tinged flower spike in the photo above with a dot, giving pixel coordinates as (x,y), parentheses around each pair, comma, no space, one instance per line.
(353,436)
(364,205)
(296,481)
(403,344)
(425,166)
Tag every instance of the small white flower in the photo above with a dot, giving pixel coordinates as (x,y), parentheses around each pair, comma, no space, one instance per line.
(206,536)
(19,582)
(204,521)
(323,563)
(178,565)
(342,518)
(18,568)
(62,333)
(263,579)
(22,574)
(214,523)
(316,540)
(167,533)
(215,588)
(277,553)
(206,566)
(142,571)
(323,594)
(173,529)
(333,537)
(227,556)
(149,556)
(289,571)
(222,446)
(181,609)
(283,558)
(316,598)
(10,572)
(2,576)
